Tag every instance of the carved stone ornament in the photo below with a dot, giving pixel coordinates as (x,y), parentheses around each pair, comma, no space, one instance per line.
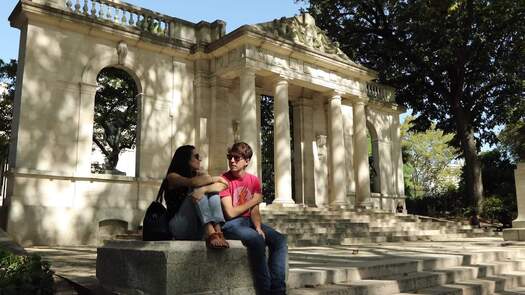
(122,52)
(301,29)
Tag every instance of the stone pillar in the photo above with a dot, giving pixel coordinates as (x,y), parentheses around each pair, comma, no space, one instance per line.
(336,147)
(397,160)
(201,85)
(362,173)
(258,94)
(281,140)
(517,232)
(212,128)
(248,117)
(85,128)
(348,130)
(303,132)
(223,120)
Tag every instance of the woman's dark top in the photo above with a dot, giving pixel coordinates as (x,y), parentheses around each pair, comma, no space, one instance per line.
(174,199)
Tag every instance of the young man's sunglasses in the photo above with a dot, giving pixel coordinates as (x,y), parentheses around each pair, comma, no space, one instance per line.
(236,158)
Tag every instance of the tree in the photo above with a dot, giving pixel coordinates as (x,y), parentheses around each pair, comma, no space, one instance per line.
(428,157)
(115,122)
(512,139)
(458,63)
(7,97)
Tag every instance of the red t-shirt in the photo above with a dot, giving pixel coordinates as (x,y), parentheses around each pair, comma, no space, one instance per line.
(241,189)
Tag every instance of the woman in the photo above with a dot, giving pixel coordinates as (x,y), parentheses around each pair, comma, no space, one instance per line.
(193,202)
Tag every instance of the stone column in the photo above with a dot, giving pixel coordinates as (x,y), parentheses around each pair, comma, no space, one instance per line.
(201,86)
(517,232)
(337,152)
(248,117)
(281,140)
(85,128)
(258,94)
(397,159)
(303,132)
(348,129)
(362,172)
(212,129)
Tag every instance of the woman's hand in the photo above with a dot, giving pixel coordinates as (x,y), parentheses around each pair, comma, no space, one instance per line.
(197,194)
(220,179)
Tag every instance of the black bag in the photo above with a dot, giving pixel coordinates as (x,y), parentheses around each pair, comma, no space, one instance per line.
(155,225)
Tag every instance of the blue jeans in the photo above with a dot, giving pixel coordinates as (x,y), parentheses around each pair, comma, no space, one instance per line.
(187,224)
(269,274)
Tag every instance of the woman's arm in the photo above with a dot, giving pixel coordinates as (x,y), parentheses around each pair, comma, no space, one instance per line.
(176,180)
(232,212)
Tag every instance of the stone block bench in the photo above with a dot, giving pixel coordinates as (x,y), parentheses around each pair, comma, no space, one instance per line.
(173,267)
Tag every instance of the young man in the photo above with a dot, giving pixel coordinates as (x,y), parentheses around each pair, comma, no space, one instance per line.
(240,204)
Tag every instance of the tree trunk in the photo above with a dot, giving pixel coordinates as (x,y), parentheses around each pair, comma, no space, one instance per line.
(474,184)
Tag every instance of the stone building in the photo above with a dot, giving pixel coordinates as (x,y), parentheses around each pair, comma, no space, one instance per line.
(196,85)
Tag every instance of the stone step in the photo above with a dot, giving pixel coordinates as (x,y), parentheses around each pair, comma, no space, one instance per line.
(314,270)
(458,280)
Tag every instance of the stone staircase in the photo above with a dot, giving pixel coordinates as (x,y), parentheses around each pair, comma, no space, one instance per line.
(319,226)
(409,268)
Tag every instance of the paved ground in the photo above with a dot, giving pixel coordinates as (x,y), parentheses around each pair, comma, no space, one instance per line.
(77,264)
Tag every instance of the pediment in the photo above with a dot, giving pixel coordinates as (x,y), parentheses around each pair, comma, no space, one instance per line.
(301,29)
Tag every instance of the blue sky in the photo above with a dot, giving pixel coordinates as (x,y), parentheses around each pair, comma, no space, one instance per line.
(235,12)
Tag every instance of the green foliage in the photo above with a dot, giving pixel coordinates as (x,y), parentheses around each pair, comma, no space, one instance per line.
(428,157)
(24,275)
(446,204)
(512,138)
(115,122)
(7,80)
(499,183)
(459,64)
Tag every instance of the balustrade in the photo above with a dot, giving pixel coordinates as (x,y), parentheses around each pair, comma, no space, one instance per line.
(123,14)
(380,92)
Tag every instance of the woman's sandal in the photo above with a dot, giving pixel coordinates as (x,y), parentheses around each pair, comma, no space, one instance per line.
(224,242)
(214,241)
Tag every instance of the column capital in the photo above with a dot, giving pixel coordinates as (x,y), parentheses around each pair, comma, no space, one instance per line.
(280,78)
(334,94)
(247,70)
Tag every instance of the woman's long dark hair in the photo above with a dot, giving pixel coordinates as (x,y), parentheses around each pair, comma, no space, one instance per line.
(180,164)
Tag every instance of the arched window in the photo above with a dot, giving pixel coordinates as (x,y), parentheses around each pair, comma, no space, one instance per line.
(115,123)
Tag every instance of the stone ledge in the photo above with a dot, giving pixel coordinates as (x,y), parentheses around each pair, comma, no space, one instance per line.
(173,267)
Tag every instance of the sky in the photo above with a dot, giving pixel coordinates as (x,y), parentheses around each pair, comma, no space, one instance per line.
(234,12)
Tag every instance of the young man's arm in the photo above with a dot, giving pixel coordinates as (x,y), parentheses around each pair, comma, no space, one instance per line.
(232,212)
(255,216)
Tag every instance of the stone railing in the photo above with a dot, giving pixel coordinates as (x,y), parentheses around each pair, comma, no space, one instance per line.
(380,92)
(124,14)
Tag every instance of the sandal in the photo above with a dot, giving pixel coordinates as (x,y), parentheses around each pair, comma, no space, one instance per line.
(214,241)
(224,242)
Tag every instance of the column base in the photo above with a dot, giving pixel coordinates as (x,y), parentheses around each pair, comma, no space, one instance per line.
(518,224)
(281,204)
(514,234)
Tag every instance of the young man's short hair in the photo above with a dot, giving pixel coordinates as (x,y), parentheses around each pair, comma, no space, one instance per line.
(241,148)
